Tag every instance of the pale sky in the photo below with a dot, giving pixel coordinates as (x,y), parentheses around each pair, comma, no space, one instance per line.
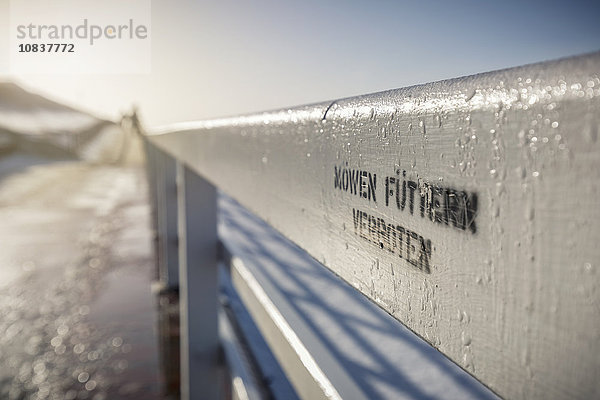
(221,58)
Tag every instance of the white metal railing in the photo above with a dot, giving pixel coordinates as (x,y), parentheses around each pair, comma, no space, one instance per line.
(466,209)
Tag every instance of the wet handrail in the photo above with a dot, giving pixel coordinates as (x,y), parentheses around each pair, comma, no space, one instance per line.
(467,209)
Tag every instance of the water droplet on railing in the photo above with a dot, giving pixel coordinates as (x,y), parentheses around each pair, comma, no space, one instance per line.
(466,338)
(83,377)
(529,213)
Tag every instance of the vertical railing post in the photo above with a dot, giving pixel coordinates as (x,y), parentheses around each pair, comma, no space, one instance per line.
(197,221)
(151,177)
(166,189)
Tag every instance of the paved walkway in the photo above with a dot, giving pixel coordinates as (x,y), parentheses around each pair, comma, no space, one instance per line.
(77,317)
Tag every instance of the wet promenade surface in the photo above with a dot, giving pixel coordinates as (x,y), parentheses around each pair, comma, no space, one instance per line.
(77,316)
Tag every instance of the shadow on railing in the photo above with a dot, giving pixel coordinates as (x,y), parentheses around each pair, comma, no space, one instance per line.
(371,336)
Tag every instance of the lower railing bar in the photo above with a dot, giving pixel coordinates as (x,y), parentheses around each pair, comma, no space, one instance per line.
(243,380)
